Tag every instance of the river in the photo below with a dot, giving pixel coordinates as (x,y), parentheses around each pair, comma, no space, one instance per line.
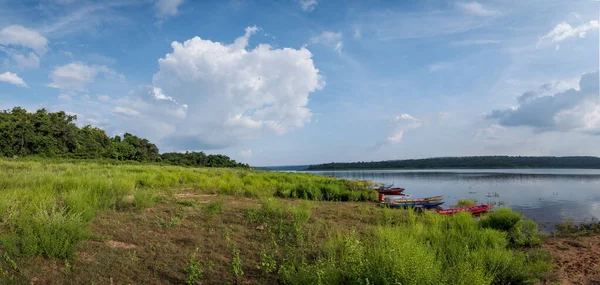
(547,196)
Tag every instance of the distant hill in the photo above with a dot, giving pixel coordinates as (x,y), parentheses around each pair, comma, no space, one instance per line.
(281,168)
(588,162)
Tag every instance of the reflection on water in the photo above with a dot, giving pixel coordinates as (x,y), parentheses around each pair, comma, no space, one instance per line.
(545,195)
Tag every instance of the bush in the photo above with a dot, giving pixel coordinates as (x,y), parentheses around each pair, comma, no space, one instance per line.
(503,219)
(144,198)
(51,234)
(462,203)
(520,232)
(416,249)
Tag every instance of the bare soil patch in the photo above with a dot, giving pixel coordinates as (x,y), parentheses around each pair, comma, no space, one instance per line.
(577,259)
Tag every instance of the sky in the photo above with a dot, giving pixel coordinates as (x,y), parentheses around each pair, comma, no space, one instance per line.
(314,81)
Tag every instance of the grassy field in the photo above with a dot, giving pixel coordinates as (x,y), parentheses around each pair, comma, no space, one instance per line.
(91,223)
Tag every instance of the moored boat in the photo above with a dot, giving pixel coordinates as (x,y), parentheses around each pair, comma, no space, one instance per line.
(473,210)
(398,197)
(433,199)
(423,205)
(391,191)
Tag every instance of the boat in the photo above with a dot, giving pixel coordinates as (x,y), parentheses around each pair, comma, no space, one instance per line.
(416,205)
(398,197)
(390,191)
(401,196)
(473,210)
(416,200)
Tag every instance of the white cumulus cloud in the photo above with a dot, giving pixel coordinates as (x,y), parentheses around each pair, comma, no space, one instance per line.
(12,78)
(564,31)
(308,5)
(76,75)
(575,109)
(401,124)
(17,35)
(232,93)
(23,45)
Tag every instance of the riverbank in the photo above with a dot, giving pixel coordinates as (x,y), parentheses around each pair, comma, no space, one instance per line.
(68,223)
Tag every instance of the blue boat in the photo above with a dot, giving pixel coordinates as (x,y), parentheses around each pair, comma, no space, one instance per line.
(425,205)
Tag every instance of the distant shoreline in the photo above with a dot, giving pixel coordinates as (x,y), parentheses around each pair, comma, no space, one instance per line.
(468,162)
(447,168)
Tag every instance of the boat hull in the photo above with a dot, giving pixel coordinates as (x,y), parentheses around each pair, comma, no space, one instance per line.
(393,191)
(434,199)
(473,210)
(414,205)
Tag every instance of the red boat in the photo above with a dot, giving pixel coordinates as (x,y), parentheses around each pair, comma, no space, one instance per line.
(391,191)
(472,210)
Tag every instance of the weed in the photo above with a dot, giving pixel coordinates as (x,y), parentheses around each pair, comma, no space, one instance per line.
(236,263)
(194,271)
(285,222)
(172,221)
(570,228)
(213,208)
(465,203)
(144,198)
(267,263)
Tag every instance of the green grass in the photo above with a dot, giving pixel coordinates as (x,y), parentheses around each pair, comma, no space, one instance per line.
(418,249)
(45,205)
(46,208)
(569,228)
(463,203)
(213,208)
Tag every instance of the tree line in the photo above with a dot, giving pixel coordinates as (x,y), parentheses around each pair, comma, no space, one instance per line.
(55,134)
(470,162)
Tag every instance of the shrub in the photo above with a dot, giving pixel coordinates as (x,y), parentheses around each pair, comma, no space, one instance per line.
(144,198)
(503,219)
(465,203)
(520,232)
(415,249)
(194,271)
(236,263)
(52,233)
(213,208)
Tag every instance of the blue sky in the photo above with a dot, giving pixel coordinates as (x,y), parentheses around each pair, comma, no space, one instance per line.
(313,81)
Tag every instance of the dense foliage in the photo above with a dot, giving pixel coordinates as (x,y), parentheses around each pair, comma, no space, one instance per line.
(56,135)
(403,248)
(470,162)
(200,159)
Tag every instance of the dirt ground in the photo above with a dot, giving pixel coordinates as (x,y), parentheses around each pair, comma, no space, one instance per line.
(577,259)
(154,246)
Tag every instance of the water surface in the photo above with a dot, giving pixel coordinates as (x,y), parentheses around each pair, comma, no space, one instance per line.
(545,195)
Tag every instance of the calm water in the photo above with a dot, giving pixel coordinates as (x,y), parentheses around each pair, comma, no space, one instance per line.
(545,195)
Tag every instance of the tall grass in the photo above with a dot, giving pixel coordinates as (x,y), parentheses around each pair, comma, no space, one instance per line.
(418,249)
(45,206)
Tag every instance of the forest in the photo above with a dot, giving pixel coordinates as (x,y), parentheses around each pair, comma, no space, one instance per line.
(587,162)
(56,135)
